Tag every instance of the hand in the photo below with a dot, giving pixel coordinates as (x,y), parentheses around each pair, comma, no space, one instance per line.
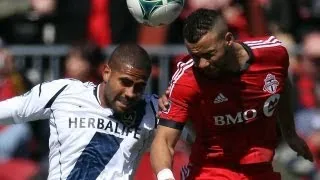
(164,102)
(298,145)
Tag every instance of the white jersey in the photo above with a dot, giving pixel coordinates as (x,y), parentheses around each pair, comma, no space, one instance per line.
(87,141)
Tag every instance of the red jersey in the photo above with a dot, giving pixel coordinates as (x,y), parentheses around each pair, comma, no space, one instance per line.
(234,116)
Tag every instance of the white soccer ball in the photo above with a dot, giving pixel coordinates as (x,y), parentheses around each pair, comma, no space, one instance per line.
(155,12)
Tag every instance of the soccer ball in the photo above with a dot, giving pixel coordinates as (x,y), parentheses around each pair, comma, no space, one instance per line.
(155,12)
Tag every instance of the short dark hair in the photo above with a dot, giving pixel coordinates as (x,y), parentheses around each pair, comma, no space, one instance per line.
(200,22)
(131,54)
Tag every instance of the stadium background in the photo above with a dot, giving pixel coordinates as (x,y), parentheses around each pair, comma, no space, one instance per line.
(41,40)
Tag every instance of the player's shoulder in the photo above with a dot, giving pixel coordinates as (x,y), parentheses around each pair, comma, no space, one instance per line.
(151,99)
(184,82)
(184,74)
(267,50)
(74,84)
(266,46)
(53,86)
(66,86)
(149,109)
(64,81)
(184,66)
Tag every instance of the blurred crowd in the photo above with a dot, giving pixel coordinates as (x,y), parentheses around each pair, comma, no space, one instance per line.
(88,26)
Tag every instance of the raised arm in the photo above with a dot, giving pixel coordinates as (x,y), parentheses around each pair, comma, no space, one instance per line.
(32,105)
(9,109)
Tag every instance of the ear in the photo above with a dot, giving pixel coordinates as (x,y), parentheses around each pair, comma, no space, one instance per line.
(229,38)
(106,73)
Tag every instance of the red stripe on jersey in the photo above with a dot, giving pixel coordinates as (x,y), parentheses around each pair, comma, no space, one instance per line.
(266,45)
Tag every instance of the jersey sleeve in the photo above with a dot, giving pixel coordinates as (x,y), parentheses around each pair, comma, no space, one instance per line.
(272,51)
(271,57)
(33,105)
(281,56)
(285,61)
(183,93)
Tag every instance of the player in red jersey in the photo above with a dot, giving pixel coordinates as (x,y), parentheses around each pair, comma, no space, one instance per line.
(233,92)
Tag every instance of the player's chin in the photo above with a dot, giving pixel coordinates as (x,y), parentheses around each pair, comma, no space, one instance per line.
(121,107)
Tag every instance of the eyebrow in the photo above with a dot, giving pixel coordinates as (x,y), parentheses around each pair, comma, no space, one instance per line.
(208,52)
(142,83)
(126,78)
(211,51)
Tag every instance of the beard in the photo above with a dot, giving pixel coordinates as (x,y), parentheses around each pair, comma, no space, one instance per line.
(221,66)
(117,101)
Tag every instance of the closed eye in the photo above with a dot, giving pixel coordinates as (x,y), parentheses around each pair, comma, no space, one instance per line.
(126,82)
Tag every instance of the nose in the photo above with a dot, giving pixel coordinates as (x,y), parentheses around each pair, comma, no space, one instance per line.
(202,63)
(129,93)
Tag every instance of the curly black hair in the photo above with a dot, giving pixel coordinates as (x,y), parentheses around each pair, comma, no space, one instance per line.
(200,22)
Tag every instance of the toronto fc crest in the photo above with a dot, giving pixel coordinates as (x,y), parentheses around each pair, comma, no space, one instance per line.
(270,84)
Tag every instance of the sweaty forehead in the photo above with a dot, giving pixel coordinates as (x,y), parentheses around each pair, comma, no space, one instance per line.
(129,70)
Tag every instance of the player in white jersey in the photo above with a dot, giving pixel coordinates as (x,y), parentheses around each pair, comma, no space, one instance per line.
(96,132)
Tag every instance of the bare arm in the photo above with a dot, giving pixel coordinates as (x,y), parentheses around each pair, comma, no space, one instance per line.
(174,109)
(285,113)
(162,148)
(287,125)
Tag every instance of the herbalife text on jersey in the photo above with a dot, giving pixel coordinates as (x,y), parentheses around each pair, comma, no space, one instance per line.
(107,125)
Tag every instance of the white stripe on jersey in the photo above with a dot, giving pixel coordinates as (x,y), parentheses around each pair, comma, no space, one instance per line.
(185,172)
(182,67)
(178,70)
(270,42)
(270,39)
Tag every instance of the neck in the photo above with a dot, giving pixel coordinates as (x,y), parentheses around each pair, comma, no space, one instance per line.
(240,57)
(100,95)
